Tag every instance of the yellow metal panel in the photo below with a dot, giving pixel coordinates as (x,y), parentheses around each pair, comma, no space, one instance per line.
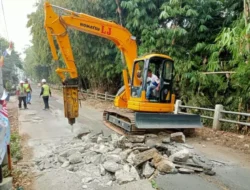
(150,106)
(121,100)
(153,55)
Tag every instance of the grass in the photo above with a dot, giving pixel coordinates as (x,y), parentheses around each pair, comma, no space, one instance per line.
(15,146)
(154,184)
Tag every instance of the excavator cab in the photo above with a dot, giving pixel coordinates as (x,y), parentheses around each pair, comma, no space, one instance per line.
(153,102)
(157,67)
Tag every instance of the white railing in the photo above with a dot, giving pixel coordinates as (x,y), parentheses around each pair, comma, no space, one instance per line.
(218,111)
(97,95)
(218,115)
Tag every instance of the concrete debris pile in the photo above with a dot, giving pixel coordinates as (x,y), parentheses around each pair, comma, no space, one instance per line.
(122,159)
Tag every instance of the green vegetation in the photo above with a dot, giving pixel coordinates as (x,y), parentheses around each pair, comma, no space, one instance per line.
(201,36)
(15,144)
(154,184)
(11,63)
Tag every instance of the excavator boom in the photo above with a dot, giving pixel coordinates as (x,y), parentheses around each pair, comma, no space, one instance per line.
(57,26)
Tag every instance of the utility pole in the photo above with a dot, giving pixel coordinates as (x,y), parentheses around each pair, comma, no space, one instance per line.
(1,82)
(1,76)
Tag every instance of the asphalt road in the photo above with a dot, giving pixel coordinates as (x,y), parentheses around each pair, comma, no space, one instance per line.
(47,128)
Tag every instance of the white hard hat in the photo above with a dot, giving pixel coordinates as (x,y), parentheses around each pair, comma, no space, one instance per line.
(21,81)
(43,80)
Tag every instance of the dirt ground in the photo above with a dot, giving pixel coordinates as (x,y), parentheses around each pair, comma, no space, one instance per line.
(20,169)
(227,139)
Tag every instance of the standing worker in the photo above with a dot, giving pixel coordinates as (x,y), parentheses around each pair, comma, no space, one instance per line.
(28,91)
(21,93)
(45,92)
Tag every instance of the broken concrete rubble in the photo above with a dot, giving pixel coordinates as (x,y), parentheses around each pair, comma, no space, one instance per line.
(144,156)
(75,158)
(111,166)
(148,170)
(119,159)
(178,137)
(180,156)
(136,138)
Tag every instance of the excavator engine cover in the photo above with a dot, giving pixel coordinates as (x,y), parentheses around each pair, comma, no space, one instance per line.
(166,121)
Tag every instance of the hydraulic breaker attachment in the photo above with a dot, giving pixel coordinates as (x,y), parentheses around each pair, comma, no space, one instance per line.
(70,97)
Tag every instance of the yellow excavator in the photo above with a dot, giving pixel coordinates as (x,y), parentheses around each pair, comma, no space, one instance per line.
(147,93)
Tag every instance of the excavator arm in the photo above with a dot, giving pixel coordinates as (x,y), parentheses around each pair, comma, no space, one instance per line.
(57,25)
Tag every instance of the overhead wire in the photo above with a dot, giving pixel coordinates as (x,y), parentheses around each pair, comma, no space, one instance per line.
(4,20)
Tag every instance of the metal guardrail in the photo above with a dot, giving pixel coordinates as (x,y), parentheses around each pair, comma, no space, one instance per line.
(218,111)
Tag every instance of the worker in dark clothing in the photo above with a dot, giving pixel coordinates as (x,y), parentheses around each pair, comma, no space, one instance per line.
(21,93)
(45,93)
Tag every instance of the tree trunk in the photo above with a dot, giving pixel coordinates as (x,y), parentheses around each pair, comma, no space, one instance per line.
(119,11)
(246,16)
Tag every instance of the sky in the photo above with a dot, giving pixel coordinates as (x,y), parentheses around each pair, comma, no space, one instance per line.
(15,13)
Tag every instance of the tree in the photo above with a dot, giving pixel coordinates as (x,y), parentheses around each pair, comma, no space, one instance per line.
(11,63)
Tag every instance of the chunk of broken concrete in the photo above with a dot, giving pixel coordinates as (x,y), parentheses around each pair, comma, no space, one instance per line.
(209,172)
(147,170)
(75,158)
(144,156)
(131,158)
(166,140)
(99,140)
(151,135)
(180,156)
(123,177)
(87,180)
(124,154)
(88,156)
(109,183)
(114,158)
(114,137)
(68,153)
(65,164)
(134,173)
(102,170)
(157,157)
(165,166)
(96,159)
(126,168)
(136,138)
(185,171)
(111,166)
(79,132)
(177,137)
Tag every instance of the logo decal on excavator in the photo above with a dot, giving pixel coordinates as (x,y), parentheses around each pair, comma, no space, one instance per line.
(89,26)
(106,30)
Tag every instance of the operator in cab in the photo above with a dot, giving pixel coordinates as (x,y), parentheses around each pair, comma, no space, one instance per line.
(154,83)
(45,93)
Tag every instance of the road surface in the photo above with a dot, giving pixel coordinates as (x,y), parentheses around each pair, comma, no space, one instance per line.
(46,129)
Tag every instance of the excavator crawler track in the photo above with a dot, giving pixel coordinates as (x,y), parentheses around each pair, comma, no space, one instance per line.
(127,122)
(122,122)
